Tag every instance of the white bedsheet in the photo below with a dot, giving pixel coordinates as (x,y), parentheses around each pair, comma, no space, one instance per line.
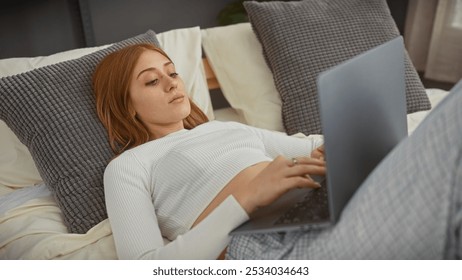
(35,230)
(15,198)
(414,119)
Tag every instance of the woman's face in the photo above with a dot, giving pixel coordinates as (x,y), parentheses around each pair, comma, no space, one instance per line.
(157,93)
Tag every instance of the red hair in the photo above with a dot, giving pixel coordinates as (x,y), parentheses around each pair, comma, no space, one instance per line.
(111,81)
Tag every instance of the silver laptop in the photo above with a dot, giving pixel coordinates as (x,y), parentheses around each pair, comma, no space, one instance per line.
(363,116)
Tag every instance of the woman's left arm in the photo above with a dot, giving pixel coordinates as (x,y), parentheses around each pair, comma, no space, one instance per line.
(279,143)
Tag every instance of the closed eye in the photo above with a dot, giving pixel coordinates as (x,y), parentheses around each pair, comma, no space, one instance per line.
(174,75)
(152,82)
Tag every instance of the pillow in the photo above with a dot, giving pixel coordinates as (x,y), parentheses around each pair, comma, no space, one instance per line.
(236,58)
(17,168)
(16,65)
(51,109)
(300,39)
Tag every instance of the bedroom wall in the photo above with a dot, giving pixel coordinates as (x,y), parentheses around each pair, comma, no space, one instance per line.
(43,27)
(39,27)
(141,15)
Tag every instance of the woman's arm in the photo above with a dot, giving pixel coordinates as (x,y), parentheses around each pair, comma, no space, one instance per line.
(278,143)
(283,173)
(134,223)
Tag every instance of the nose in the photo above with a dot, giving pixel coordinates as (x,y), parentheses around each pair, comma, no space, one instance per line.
(170,83)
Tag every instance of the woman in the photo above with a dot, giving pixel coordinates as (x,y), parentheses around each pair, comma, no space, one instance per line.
(178,176)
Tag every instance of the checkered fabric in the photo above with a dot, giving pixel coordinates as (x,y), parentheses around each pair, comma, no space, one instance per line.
(52,111)
(408,208)
(300,39)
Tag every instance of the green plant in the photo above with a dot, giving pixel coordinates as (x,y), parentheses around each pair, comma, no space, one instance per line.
(234,12)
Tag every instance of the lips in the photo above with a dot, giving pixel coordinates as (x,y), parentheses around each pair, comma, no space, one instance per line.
(178,97)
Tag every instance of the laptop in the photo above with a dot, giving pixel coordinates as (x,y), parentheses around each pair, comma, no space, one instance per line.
(363,116)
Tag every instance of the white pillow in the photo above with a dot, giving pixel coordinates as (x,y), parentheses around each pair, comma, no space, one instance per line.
(246,81)
(17,168)
(16,65)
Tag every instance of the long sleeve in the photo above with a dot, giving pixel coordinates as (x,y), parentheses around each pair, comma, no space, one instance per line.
(278,143)
(135,227)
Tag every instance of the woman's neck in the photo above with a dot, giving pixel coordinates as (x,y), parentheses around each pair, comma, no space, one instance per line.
(160,131)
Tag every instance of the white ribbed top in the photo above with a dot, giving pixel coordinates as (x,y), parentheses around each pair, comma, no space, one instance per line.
(160,188)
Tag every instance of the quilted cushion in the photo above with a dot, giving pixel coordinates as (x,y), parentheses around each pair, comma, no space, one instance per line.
(52,111)
(300,39)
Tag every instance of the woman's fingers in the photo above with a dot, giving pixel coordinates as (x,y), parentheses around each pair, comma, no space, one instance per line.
(302,166)
(308,160)
(305,169)
(300,182)
(318,153)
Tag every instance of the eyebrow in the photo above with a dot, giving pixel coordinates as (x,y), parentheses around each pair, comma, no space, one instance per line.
(152,68)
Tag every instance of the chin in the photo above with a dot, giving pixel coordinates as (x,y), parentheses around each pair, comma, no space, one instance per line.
(184,112)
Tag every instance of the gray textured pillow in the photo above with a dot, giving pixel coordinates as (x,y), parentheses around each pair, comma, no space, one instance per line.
(52,111)
(300,39)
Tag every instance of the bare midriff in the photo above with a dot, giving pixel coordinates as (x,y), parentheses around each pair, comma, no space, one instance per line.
(241,180)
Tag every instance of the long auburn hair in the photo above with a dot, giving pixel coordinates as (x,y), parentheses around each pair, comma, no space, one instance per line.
(111,81)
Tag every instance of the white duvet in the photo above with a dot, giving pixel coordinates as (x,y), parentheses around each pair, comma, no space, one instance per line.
(35,230)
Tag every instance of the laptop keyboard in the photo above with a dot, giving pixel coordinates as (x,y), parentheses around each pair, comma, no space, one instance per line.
(312,207)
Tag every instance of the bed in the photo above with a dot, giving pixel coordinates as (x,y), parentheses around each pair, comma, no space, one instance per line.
(34,218)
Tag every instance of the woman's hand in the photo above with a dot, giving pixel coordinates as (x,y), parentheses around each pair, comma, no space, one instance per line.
(318,153)
(278,177)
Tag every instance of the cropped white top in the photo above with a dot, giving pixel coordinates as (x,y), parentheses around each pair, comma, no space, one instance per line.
(159,189)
